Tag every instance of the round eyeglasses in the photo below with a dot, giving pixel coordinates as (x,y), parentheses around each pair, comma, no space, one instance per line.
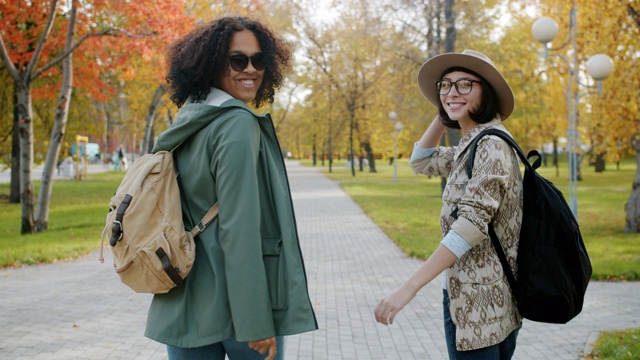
(463,87)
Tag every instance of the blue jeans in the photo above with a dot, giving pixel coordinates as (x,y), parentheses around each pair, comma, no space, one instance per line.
(501,351)
(231,347)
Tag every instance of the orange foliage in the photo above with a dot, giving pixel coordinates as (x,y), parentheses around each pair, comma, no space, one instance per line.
(140,28)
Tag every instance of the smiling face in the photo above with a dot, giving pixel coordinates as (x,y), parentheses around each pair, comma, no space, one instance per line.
(242,85)
(457,105)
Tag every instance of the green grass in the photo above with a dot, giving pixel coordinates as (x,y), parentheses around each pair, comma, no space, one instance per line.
(76,219)
(408,211)
(617,345)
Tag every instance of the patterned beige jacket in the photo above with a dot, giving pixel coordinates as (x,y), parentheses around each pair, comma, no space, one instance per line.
(481,304)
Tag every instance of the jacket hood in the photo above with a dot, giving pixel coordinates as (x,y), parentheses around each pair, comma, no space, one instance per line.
(192,118)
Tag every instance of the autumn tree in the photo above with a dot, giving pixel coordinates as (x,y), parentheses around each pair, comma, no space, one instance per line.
(28,45)
(630,78)
(7,120)
(606,123)
(432,26)
(349,54)
(149,104)
(609,123)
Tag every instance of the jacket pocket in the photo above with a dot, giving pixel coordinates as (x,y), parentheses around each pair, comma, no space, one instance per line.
(481,305)
(275,267)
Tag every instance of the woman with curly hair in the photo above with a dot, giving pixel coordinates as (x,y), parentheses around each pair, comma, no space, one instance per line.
(247,288)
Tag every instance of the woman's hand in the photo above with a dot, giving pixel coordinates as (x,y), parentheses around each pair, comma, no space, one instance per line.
(433,134)
(389,307)
(262,346)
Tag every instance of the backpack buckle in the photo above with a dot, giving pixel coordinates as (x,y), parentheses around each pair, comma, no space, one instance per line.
(116,233)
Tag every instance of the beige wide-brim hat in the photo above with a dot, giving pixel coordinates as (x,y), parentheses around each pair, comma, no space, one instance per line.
(433,69)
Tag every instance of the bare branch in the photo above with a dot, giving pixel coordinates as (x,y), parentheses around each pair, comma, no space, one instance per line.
(323,65)
(634,14)
(287,108)
(108,32)
(43,38)
(133,35)
(8,63)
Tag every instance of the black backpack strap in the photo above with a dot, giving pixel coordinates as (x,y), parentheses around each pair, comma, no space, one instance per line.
(492,233)
(504,136)
(503,258)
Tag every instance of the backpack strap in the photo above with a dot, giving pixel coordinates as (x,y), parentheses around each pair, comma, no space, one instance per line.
(209,216)
(177,146)
(164,258)
(168,268)
(509,140)
(205,221)
(492,233)
(503,258)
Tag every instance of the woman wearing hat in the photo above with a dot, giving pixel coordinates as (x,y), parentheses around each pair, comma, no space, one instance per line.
(480,316)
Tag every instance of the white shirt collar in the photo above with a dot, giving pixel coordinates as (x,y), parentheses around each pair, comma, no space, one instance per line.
(215,97)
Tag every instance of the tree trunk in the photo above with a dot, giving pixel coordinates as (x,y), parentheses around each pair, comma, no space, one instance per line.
(105,136)
(352,116)
(25,130)
(14,195)
(22,78)
(169,117)
(450,26)
(632,207)
(370,157)
(599,163)
(452,135)
(313,151)
(109,125)
(59,127)
(555,157)
(329,147)
(150,117)
(151,141)
(633,210)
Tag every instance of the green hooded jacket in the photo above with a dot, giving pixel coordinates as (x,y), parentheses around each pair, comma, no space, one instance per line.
(248,279)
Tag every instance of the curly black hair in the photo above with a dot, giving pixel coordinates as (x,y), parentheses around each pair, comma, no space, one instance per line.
(489,103)
(199,60)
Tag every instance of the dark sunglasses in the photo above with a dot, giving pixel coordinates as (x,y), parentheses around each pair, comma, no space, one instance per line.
(239,62)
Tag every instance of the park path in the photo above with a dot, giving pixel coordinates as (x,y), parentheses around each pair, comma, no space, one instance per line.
(80,310)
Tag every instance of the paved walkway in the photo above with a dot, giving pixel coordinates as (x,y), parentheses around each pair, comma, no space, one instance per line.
(80,310)
(36,174)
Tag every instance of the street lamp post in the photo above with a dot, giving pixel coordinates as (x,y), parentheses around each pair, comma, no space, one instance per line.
(598,67)
(393,116)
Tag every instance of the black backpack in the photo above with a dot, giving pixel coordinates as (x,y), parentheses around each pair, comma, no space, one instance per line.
(552,262)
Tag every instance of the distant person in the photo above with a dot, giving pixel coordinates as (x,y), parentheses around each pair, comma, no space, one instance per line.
(124,162)
(248,287)
(117,156)
(481,320)
(121,161)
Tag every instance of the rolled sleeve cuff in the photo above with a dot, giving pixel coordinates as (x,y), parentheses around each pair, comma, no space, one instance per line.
(421,153)
(468,231)
(456,244)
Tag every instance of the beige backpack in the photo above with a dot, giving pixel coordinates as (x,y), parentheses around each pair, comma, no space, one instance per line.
(152,251)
